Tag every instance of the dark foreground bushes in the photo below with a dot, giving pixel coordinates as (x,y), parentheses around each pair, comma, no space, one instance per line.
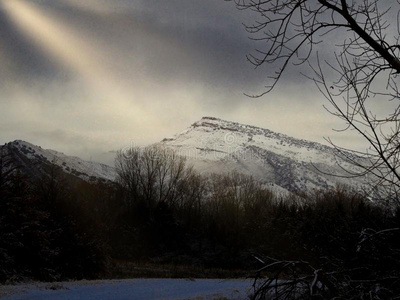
(324,245)
(44,233)
(340,247)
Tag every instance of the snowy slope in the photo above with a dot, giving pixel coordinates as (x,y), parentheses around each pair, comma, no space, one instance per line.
(216,146)
(33,160)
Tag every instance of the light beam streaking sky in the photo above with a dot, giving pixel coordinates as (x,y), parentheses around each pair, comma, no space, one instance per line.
(87,77)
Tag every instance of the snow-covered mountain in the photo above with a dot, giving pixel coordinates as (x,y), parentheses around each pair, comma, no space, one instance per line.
(216,146)
(35,161)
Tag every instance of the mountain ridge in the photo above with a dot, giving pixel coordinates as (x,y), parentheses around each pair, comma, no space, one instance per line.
(213,145)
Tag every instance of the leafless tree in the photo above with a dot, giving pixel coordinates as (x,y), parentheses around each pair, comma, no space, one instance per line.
(357,71)
(352,53)
(153,175)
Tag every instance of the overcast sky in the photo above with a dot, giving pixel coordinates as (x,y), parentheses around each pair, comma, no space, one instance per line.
(89,76)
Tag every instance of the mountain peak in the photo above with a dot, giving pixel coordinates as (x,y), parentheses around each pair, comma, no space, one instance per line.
(205,120)
(213,145)
(21,142)
(210,118)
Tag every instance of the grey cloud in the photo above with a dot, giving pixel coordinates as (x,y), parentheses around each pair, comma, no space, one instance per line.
(175,61)
(195,40)
(23,60)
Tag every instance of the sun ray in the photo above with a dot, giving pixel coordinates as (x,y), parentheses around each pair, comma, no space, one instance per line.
(73,53)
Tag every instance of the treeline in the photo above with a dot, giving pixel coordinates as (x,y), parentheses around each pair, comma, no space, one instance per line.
(160,210)
(47,231)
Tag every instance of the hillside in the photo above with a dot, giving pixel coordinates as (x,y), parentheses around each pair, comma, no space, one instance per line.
(34,161)
(216,146)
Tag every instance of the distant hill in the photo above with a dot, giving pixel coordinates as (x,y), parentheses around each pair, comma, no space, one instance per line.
(34,161)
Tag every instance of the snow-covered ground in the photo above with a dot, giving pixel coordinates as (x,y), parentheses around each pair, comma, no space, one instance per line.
(131,289)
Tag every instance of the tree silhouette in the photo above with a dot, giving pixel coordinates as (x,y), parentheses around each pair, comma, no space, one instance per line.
(357,72)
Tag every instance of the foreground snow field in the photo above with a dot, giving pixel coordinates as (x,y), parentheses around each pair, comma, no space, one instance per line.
(143,289)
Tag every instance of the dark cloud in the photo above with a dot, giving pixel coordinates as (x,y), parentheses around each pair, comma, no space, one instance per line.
(168,63)
(22,60)
(191,40)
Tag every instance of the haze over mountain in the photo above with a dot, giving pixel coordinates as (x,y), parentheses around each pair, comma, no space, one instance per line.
(88,76)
